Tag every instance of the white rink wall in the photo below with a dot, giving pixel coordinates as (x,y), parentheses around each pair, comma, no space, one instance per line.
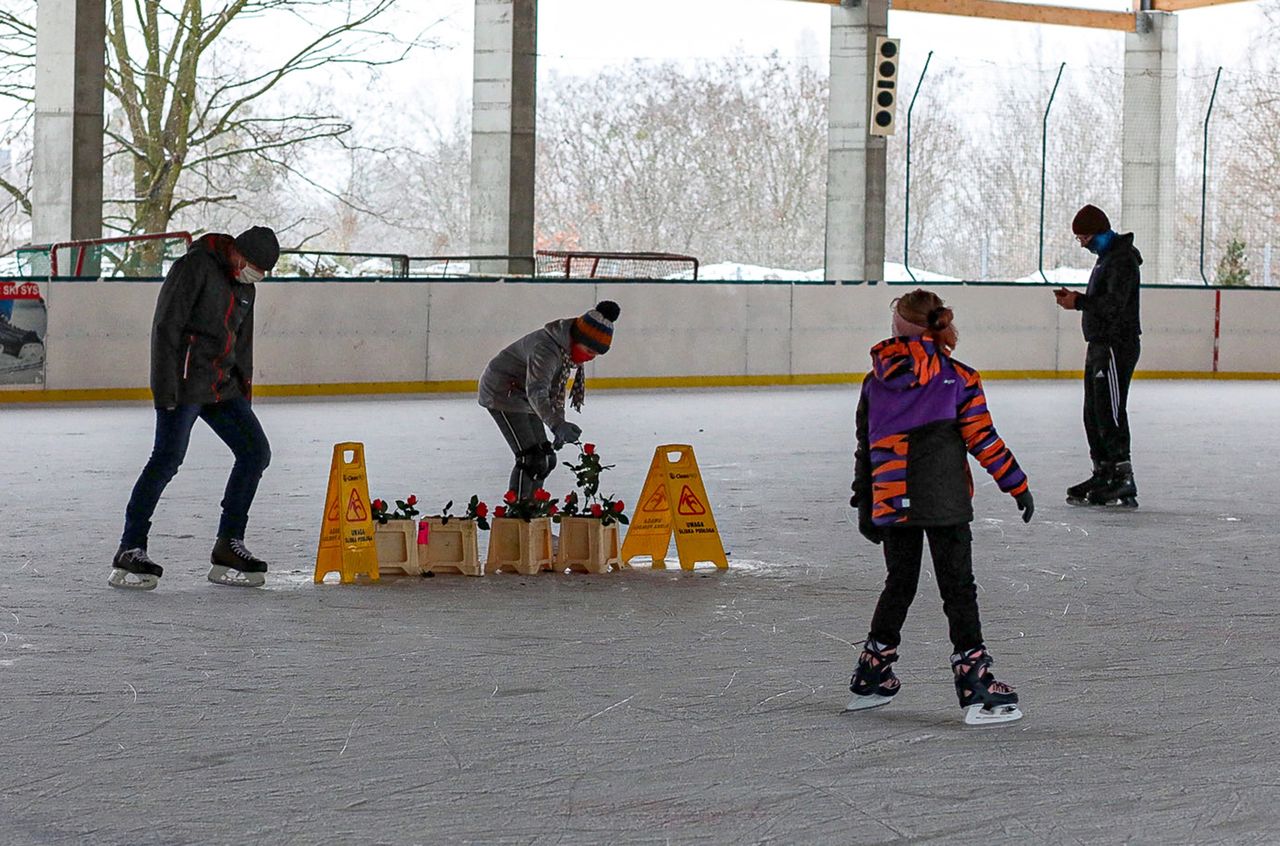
(340,333)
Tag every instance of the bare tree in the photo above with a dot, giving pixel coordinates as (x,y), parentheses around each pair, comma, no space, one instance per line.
(185,120)
(17,100)
(724,159)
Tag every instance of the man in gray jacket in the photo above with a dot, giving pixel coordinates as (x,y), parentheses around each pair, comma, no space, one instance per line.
(524,385)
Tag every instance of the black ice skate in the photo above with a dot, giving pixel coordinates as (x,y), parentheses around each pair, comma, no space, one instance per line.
(235,565)
(1079,494)
(1120,490)
(985,700)
(132,569)
(873,683)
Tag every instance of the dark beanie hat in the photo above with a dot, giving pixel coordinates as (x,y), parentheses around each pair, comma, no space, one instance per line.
(594,330)
(258,244)
(1090,220)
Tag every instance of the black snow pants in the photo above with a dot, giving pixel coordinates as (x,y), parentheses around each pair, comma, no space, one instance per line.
(1108,370)
(952,551)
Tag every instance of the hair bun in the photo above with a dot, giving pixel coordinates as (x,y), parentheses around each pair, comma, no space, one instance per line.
(940,318)
(608,309)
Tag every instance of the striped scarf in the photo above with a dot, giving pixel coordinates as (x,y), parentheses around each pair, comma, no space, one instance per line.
(578,393)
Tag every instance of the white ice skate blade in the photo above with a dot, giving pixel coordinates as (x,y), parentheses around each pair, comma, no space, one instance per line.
(132,581)
(871,700)
(974,715)
(221,575)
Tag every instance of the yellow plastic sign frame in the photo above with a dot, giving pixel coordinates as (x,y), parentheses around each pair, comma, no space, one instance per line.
(674,500)
(346,533)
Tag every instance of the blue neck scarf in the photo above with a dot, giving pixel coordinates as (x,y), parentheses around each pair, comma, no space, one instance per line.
(1101,242)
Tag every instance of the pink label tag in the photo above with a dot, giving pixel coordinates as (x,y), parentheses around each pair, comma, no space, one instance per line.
(424,532)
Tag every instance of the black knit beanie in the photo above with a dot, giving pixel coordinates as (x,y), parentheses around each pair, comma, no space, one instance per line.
(258,244)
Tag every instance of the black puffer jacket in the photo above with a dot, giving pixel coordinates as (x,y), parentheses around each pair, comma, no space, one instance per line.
(202,334)
(1110,304)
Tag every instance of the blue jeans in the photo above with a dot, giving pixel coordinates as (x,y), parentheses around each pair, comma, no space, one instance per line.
(234,422)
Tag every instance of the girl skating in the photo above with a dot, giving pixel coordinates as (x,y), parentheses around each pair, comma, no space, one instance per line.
(919,413)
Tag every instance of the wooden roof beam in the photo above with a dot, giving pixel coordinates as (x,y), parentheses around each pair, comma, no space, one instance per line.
(1024,12)
(1183,5)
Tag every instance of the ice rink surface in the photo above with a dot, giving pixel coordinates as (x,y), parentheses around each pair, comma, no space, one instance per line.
(644,706)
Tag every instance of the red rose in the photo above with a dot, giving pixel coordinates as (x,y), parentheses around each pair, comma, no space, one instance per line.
(617,506)
(596,510)
(589,449)
(412,500)
(482,510)
(553,510)
(509,496)
(500,511)
(379,505)
(541,495)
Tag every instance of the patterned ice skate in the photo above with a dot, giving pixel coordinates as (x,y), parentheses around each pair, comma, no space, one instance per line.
(873,683)
(985,700)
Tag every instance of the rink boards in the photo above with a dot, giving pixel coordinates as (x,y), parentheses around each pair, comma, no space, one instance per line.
(372,337)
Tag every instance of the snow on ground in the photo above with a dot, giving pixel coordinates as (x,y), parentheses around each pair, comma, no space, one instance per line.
(643,707)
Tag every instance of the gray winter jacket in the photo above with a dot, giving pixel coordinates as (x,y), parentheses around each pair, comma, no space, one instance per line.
(529,376)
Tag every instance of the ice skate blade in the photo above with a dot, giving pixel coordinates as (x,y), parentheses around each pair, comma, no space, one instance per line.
(232,577)
(975,715)
(132,581)
(862,703)
(1125,502)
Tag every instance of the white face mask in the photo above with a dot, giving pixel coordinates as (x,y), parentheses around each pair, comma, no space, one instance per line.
(250,275)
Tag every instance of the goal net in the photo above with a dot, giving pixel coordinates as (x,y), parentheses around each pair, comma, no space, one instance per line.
(577,264)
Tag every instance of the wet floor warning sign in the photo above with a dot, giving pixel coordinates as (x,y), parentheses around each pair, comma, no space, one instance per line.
(346,535)
(674,500)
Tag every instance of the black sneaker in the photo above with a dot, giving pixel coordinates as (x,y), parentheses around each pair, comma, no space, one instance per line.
(132,569)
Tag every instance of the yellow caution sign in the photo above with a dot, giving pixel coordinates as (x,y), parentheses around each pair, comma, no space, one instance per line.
(674,499)
(346,536)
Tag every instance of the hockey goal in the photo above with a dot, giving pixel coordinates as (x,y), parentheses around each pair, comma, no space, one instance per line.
(577,264)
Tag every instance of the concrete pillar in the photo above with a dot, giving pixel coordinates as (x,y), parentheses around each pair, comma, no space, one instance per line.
(1148,205)
(855,160)
(503,121)
(66,179)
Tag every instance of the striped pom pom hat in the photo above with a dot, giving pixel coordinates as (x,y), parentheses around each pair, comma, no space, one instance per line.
(594,330)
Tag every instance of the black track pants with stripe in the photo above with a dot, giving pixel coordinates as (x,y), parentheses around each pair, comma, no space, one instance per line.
(1108,370)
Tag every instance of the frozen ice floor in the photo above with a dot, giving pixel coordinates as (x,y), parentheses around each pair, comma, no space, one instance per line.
(643,707)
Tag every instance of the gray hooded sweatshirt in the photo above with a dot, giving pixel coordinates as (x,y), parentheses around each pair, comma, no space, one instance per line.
(529,376)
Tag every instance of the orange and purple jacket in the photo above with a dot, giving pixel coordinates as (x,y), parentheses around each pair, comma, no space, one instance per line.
(919,413)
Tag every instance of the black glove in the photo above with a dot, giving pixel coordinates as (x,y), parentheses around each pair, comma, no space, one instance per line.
(566,433)
(1026,504)
(866,527)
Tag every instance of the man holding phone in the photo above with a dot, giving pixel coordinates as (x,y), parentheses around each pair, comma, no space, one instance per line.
(1110,319)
